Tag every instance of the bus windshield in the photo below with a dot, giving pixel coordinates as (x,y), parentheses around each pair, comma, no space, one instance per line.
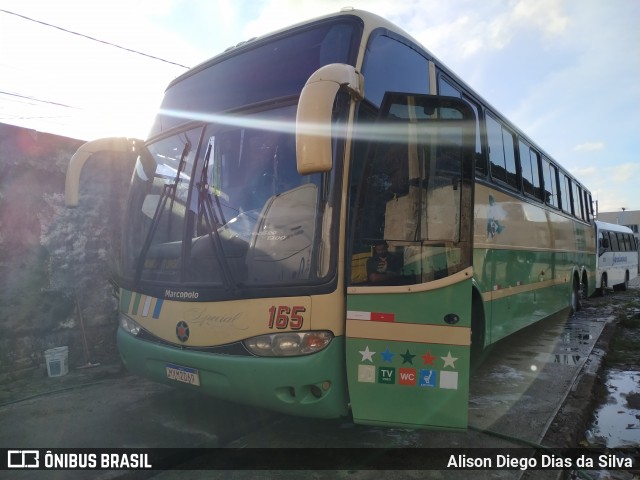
(261,72)
(216,199)
(225,207)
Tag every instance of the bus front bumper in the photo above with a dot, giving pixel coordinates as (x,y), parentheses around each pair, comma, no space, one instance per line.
(311,385)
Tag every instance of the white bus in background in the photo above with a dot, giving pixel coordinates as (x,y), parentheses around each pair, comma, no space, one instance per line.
(617,262)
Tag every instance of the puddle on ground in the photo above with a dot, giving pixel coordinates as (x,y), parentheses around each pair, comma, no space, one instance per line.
(617,422)
(527,375)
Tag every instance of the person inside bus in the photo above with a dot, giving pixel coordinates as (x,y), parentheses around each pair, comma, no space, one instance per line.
(383,268)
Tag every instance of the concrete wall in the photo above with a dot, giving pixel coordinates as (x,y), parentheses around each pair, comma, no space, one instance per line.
(49,253)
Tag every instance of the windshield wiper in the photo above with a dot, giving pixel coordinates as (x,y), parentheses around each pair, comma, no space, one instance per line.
(181,166)
(213,221)
(168,191)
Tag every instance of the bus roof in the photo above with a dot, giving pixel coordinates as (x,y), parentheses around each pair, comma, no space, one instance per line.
(613,227)
(370,20)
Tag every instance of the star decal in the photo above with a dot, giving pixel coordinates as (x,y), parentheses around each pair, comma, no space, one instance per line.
(407,357)
(367,354)
(428,358)
(182,331)
(387,356)
(449,360)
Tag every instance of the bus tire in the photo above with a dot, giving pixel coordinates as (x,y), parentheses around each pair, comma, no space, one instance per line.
(623,287)
(602,291)
(575,296)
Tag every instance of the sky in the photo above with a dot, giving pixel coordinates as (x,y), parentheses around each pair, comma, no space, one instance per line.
(566,72)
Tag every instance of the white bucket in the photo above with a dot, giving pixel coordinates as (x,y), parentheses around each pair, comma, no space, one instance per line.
(57,361)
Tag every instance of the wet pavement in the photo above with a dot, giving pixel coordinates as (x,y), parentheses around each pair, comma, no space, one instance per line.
(617,421)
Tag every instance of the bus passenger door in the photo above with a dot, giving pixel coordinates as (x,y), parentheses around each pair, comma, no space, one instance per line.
(408,319)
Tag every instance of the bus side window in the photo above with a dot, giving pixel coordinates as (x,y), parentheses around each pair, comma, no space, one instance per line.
(575,198)
(530,171)
(448,89)
(625,237)
(614,242)
(579,203)
(480,163)
(587,206)
(387,53)
(603,241)
(565,193)
(501,155)
(550,174)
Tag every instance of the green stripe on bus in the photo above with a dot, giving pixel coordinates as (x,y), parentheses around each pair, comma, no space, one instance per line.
(125,300)
(136,304)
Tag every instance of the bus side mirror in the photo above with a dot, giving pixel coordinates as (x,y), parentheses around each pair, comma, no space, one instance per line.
(111,144)
(315,109)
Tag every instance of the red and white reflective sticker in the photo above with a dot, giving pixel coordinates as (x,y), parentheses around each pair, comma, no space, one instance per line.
(371,316)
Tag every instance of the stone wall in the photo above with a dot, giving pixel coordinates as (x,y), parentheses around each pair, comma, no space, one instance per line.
(54,259)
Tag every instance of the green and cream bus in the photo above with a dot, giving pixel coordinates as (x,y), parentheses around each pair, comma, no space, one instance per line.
(284,178)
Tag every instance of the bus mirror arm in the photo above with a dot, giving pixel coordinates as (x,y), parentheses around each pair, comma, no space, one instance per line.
(315,110)
(111,144)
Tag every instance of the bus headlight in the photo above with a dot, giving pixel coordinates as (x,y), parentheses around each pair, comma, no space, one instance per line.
(129,326)
(288,344)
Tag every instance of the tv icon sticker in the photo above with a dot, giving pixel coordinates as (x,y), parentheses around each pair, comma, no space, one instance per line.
(23,459)
(387,375)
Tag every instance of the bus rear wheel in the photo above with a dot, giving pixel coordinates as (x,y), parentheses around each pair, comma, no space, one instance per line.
(624,286)
(575,296)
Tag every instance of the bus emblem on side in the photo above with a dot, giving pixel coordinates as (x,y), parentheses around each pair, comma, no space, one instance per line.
(182,331)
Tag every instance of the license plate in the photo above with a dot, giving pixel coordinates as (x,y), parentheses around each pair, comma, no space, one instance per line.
(183,374)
